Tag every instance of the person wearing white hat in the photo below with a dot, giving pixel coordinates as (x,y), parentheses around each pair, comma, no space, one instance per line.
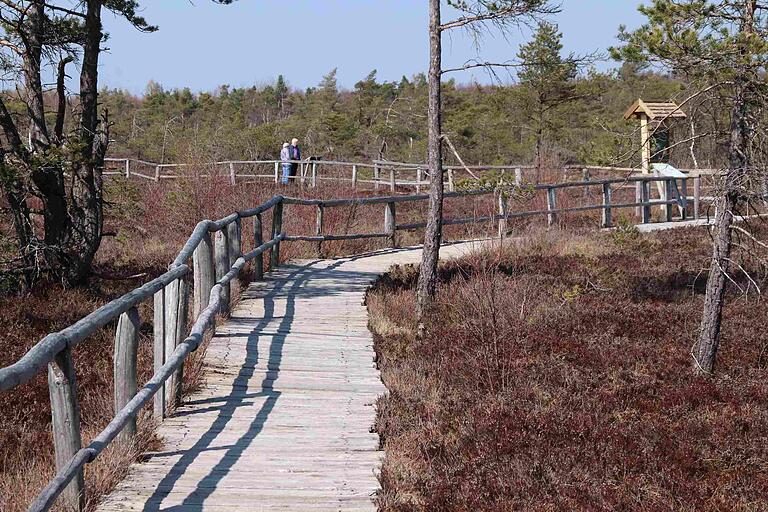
(285,158)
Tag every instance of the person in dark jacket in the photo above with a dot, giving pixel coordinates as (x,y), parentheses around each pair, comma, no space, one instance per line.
(295,153)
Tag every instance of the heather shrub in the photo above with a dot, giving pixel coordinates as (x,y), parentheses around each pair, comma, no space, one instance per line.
(556,378)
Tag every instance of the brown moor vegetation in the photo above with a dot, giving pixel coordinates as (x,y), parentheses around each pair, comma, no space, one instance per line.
(555,374)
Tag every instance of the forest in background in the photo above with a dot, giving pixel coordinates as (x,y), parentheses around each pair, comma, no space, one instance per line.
(488,124)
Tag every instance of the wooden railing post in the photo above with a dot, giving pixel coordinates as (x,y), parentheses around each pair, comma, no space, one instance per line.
(157,173)
(418,179)
(314,174)
(127,167)
(518,177)
(204,274)
(451,185)
(319,230)
(354,176)
(390,223)
(277,228)
(684,199)
(503,205)
(258,239)
(126,350)
(645,197)
(277,172)
(65,415)
(607,220)
(222,267)
(639,198)
(376,173)
(234,235)
(158,350)
(696,197)
(176,312)
(392,182)
(232,177)
(668,194)
(551,207)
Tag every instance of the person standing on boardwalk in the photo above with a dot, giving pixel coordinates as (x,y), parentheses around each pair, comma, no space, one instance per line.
(295,153)
(285,158)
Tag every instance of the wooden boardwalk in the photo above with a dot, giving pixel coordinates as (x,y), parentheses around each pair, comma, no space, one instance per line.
(283,420)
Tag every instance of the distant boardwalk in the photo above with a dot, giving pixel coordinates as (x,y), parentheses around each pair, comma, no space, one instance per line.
(284,419)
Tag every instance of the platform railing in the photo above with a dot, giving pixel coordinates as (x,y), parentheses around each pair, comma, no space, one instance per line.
(211,258)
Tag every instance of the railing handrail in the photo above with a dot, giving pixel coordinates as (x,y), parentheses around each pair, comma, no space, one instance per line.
(52,346)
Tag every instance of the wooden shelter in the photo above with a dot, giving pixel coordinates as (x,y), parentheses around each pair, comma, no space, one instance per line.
(655,113)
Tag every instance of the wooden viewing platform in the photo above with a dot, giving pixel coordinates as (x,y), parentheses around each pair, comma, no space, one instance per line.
(284,418)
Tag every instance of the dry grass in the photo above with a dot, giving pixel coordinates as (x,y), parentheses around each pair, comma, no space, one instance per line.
(556,375)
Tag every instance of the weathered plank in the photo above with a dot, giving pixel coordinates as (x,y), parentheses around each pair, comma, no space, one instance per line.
(283,420)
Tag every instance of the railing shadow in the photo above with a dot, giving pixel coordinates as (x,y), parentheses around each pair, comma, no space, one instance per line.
(284,288)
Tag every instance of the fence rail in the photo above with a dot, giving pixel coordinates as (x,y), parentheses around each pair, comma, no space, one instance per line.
(213,263)
(381,174)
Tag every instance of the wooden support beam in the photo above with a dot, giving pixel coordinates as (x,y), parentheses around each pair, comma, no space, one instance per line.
(503,212)
(319,229)
(258,239)
(392,182)
(668,195)
(127,167)
(204,273)
(684,199)
(176,312)
(390,223)
(232,177)
(354,176)
(65,415)
(696,197)
(158,351)
(277,228)
(314,175)
(222,267)
(125,379)
(645,196)
(607,218)
(234,236)
(551,207)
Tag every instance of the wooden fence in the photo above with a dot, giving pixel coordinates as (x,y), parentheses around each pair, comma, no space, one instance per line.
(378,175)
(213,256)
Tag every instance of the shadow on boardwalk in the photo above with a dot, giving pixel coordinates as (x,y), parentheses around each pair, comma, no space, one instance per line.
(291,283)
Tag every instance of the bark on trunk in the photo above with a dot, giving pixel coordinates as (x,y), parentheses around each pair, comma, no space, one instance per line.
(425,291)
(705,349)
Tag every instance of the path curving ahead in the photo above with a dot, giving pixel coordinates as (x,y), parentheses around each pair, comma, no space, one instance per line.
(283,420)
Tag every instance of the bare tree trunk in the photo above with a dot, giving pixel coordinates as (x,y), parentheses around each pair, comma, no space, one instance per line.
(86,211)
(705,349)
(425,291)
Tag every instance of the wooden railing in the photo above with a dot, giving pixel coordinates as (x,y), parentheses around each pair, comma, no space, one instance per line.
(213,256)
(379,174)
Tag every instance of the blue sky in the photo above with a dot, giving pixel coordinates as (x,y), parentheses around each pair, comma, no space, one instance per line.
(202,45)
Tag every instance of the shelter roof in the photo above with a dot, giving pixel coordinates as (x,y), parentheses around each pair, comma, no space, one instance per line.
(655,110)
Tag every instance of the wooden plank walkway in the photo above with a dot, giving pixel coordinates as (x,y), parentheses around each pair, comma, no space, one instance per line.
(283,420)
